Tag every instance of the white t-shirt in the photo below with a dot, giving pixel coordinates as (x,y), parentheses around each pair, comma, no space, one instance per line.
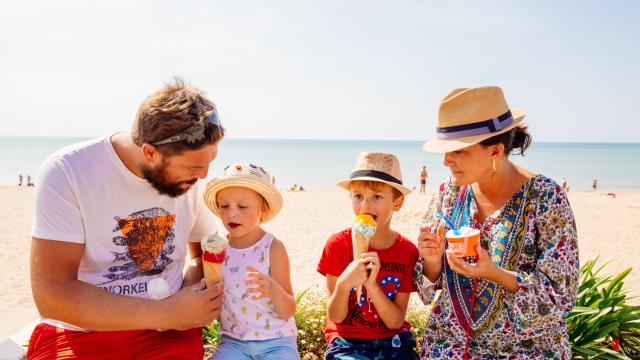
(132,234)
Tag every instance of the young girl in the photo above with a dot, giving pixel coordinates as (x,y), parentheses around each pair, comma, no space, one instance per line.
(256,318)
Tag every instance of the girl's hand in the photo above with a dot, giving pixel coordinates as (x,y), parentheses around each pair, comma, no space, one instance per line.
(484,268)
(430,246)
(372,262)
(354,275)
(262,284)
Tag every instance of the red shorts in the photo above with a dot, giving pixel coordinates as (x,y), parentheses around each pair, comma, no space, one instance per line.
(50,342)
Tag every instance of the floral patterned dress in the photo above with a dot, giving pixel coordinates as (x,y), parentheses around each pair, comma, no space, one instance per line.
(533,235)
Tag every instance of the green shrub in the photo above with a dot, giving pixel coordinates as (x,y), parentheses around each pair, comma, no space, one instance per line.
(602,321)
(210,338)
(311,311)
(418,316)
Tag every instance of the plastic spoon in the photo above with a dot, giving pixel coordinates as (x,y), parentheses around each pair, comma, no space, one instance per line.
(449,222)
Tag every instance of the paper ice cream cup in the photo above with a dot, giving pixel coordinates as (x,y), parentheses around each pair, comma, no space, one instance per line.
(463,245)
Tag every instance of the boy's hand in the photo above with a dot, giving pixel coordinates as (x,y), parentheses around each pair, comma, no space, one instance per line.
(354,275)
(373,265)
(264,284)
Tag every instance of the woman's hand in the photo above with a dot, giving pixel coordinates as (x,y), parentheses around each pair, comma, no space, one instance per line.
(431,249)
(484,268)
(431,246)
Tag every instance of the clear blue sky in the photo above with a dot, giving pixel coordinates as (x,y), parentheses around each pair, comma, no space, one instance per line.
(321,69)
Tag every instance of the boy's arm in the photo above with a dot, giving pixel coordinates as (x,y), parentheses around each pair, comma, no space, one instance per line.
(59,295)
(339,287)
(338,303)
(392,313)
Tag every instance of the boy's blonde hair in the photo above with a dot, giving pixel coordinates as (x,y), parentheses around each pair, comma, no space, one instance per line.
(376,186)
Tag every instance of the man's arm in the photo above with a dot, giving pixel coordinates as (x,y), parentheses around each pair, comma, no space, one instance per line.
(194,271)
(59,295)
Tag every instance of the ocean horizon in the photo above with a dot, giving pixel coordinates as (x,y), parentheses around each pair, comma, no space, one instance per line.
(321,163)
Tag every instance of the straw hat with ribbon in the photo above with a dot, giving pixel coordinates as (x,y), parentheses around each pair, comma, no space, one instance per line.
(468,116)
(376,166)
(247,176)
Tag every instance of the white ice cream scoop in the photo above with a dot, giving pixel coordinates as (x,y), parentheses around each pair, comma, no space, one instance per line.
(158,289)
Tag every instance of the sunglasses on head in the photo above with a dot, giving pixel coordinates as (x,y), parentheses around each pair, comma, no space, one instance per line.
(195,133)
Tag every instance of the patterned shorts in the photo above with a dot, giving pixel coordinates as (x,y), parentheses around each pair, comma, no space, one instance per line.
(400,346)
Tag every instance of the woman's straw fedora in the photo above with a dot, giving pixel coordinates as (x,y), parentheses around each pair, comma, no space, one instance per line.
(247,176)
(468,116)
(376,166)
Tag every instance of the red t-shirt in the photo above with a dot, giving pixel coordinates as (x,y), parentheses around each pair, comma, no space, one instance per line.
(395,275)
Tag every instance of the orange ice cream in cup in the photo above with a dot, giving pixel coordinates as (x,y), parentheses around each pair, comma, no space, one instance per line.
(463,242)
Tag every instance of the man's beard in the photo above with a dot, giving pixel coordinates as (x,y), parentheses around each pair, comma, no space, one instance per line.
(157,177)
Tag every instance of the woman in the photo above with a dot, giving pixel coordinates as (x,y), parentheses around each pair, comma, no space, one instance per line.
(525,277)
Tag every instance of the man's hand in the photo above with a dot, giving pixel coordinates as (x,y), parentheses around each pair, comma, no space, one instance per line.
(194,306)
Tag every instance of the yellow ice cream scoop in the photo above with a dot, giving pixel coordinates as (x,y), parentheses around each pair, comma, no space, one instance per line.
(365,219)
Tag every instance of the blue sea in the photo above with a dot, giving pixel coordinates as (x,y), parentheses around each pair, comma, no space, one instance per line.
(321,163)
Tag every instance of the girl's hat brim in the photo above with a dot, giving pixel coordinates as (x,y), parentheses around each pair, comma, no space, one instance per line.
(437,145)
(269,192)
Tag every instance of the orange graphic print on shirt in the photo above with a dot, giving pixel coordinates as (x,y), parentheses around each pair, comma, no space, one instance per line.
(148,236)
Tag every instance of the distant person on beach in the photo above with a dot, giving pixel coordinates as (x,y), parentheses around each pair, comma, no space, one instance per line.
(115,219)
(20,180)
(565,185)
(423,179)
(29,183)
(301,188)
(257,316)
(373,325)
(510,299)
(594,186)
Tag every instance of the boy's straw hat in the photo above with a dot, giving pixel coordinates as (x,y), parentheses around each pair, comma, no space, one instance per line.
(376,166)
(247,176)
(469,116)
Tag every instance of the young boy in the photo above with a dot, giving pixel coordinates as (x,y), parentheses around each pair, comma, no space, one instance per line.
(375,328)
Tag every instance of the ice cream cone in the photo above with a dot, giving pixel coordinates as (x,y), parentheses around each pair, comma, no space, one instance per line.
(361,232)
(212,272)
(214,253)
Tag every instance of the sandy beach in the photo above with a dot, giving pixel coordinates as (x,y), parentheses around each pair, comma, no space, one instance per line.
(606,228)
